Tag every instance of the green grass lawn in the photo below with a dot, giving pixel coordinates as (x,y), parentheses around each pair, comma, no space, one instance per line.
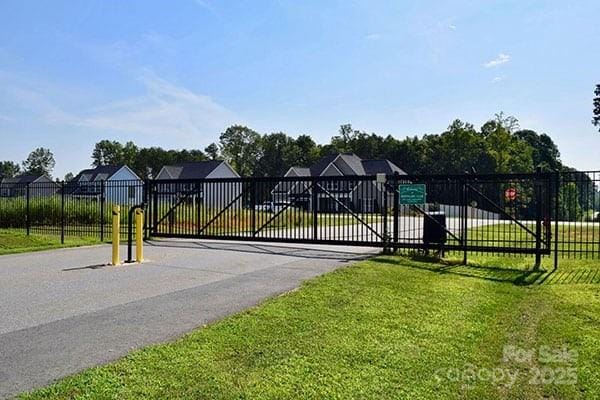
(16,241)
(387,328)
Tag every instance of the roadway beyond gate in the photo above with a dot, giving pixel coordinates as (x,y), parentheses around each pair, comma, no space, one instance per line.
(508,213)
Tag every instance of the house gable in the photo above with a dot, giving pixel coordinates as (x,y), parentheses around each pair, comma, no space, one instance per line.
(332,170)
(223,170)
(163,174)
(123,174)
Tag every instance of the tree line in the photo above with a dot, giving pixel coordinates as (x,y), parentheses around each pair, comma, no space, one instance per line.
(498,146)
(39,162)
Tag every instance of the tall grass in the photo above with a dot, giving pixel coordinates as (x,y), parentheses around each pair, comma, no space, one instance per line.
(48,210)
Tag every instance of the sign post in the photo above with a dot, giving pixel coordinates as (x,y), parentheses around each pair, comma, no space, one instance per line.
(412,194)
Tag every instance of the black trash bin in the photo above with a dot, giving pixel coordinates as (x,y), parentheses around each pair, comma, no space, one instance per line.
(434,225)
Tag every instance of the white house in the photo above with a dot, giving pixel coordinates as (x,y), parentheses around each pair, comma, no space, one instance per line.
(201,182)
(118,183)
(365,196)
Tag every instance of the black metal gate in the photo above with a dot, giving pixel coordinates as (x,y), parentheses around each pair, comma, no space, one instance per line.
(487,213)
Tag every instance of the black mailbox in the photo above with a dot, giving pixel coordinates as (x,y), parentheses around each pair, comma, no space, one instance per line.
(434,225)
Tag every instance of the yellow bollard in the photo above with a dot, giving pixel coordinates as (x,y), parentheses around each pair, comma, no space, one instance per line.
(139,235)
(116,234)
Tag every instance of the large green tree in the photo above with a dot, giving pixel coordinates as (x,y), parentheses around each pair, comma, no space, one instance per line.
(107,152)
(8,169)
(308,151)
(212,151)
(240,146)
(39,162)
(460,149)
(545,153)
(278,153)
(509,152)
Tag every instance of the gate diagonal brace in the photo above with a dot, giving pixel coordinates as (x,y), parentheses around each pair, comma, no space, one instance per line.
(501,211)
(227,207)
(279,212)
(352,213)
(174,207)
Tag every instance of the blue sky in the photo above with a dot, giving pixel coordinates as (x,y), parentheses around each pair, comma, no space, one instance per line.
(177,73)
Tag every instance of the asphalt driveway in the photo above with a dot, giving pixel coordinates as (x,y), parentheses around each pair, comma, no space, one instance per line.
(66,310)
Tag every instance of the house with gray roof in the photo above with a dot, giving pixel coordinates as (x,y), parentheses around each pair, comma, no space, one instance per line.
(198,170)
(200,182)
(358,195)
(21,185)
(115,183)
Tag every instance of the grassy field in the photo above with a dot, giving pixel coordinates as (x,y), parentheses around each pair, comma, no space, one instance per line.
(391,327)
(16,241)
(573,238)
(186,219)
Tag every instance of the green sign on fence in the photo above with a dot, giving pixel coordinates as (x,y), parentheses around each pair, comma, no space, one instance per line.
(415,193)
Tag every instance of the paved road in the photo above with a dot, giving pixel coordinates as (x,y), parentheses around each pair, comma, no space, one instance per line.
(64,310)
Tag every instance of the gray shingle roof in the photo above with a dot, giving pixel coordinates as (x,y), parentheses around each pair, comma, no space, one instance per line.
(21,179)
(102,172)
(192,170)
(373,167)
(350,164)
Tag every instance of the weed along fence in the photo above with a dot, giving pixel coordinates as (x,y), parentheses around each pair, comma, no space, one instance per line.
(67,209)
(535,213)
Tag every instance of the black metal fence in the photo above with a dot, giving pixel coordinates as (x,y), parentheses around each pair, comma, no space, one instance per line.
(499,213)
(578,222)
(512,213)
(67,209)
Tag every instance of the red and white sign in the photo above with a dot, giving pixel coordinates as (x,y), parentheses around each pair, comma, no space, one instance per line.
(510,194)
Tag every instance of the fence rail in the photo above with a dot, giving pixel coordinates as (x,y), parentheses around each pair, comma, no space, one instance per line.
(67,209)
(504,213)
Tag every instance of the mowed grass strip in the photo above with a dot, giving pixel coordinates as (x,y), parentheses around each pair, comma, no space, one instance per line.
(387,328)
(17,241)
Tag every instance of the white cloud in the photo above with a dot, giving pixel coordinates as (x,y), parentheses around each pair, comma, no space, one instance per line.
(453,27)
(163,110)
(499,60)
(497,79)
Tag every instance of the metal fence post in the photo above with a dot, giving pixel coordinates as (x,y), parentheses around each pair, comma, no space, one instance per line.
(62,213)
(145,201)
(464,221)
(538,217)
(386,236)
(27,215)
(154,223)
(315,204)
(253,205)
(396,206)
(102,197)
(556,216)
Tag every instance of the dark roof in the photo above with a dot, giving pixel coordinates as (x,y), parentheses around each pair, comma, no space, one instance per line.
(319,166)
(350,164)
(20,179)
(373,167)
(100,173)
(193,169)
